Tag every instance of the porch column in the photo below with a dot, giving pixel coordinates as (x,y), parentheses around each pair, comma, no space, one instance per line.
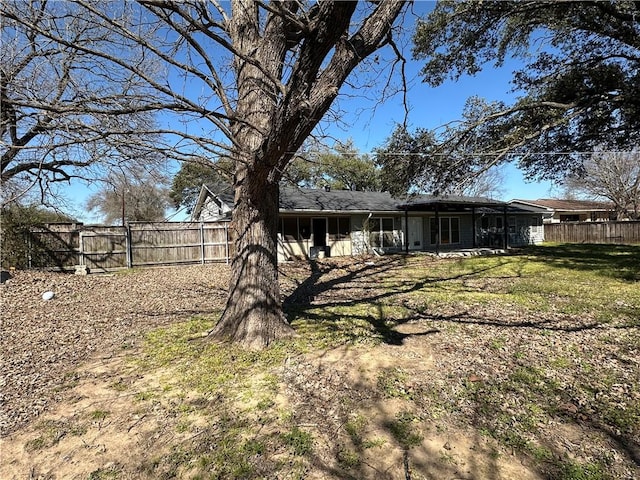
(506,228)
(437,230)
(473,226)
(406,230)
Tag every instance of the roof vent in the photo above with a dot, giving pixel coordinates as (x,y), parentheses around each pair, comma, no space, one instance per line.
(327,188)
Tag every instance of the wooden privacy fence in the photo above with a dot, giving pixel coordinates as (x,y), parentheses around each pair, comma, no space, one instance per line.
(593,232)
(103,248)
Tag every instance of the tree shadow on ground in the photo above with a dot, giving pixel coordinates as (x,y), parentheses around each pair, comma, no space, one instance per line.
(616,261)
(361,284)
(359,293)
(318,298)
(369,434)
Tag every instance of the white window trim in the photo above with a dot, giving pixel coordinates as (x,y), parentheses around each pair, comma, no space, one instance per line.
(448,218)
(381,230)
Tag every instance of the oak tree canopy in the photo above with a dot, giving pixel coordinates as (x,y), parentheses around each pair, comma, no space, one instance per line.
(581,81)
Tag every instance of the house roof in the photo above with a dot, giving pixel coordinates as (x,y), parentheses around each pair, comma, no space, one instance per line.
(294,199)
(448,202)
(307,200)
(223,192)
(566,205)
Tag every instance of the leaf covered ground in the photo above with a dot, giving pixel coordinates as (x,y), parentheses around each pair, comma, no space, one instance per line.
(517,366)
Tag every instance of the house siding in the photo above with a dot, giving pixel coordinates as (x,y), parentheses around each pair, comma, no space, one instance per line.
(522,231)
(310,226)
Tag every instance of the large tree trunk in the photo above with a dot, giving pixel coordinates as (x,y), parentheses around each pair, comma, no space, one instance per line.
(253,316)
(271,121)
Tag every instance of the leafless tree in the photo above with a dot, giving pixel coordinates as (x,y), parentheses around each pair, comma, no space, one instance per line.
(246,79)
(614,176)
(66,113)
(134,195)
(483,183)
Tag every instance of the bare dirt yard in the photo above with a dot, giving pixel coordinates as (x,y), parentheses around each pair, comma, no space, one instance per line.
(404,368)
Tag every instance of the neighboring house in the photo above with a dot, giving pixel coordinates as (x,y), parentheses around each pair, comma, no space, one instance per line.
(213,204)
(557,210)
(343,222)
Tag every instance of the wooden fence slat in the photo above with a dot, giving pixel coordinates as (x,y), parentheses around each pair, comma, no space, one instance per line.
(103,248)
(625,232)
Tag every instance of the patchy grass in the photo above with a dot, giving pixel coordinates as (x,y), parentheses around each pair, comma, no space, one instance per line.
(492,309)
(299,441)
(535,353)
(51,432)
(393,383)
(405,430)
(561,323)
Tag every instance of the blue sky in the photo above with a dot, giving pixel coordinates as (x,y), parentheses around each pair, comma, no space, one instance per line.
(429,108)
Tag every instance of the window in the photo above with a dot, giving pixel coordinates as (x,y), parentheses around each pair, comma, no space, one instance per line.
(536,224)
(290,228)
(294,229)
(381,232)
(455,230)
(304,228)
(339,228)
(449,230)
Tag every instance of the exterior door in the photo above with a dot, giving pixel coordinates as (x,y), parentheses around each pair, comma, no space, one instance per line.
(415,233)
(319,232)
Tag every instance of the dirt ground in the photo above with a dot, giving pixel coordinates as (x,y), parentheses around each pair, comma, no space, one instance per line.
(61,359)
(90,317)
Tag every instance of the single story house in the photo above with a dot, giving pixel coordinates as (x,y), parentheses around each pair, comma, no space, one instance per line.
(559,210)
(317,222)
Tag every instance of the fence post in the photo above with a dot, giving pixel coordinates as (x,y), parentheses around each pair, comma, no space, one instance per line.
(81,247)
(226,243)
(128,246)
(29,236)
(202,249)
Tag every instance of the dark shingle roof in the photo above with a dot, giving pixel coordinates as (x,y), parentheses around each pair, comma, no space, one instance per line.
(294,199)
(448,201)
(223,191)
(568,205)
(307,199)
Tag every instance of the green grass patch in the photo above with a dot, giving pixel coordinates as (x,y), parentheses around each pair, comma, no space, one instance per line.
(405,429)
(358,324)
(99,415)
(299,441)
(571,470)
(593,280)
(548,295)
(230,388)
(355,429)
(111,473)
(51,432)
(348,458)
(393,383)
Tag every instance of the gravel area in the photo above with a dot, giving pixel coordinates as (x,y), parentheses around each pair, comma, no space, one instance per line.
(43,341)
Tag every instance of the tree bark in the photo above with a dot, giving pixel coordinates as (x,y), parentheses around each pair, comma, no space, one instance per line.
(272,119)
(253,315)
